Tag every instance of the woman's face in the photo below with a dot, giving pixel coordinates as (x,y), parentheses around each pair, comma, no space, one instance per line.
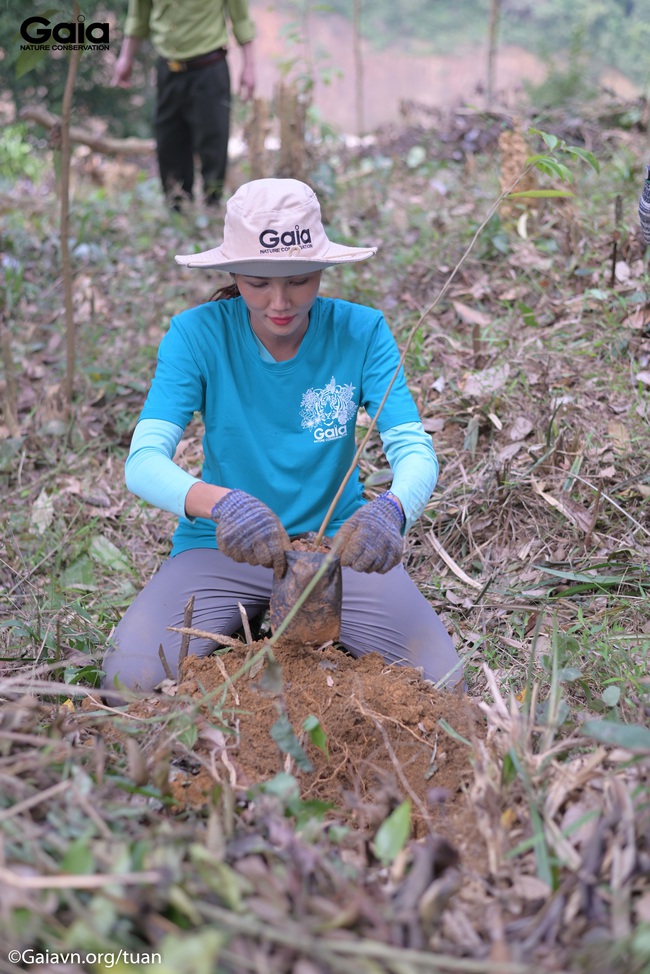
(279,308)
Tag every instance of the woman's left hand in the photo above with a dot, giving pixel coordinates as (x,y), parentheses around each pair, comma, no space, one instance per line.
(371,540)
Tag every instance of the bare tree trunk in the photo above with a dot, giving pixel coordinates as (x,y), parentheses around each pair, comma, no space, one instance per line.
(493,30)
(358,68)
(255,132)
(66,269)
(308,53)
(291,109)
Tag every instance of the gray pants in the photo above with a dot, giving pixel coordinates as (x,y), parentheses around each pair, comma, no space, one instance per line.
(380,613)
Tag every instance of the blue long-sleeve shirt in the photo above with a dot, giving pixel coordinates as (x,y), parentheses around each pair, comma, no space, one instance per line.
(282,431)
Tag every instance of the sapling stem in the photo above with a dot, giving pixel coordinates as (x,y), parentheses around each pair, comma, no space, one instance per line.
(411,335)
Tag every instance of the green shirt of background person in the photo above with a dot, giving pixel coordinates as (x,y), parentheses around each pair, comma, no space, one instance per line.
(193,85)
(179,31)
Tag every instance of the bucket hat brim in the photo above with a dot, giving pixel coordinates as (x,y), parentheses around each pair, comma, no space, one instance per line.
(273,228)
(274,266)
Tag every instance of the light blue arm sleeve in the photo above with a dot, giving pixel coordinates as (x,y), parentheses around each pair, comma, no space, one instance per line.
(414,463)
(152,474)
(150,471)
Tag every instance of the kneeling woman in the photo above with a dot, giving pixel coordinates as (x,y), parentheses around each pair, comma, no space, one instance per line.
(278,374)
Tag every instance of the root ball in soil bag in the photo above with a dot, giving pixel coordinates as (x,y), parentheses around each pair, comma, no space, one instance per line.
(318,620)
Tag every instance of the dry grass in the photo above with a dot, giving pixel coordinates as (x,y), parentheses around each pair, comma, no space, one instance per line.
(534,549)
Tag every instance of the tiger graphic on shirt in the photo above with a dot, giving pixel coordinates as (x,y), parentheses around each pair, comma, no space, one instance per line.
(326,411)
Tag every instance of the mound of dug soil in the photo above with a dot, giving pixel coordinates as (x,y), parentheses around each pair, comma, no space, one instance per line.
(385,733)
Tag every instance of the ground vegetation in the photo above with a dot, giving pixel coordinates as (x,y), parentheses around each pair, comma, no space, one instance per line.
(296,810)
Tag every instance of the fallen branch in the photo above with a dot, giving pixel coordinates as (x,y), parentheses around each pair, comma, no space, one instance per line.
(18,881)
(610,500)
(99,143)
(216,637)
(33,800)
(329,949)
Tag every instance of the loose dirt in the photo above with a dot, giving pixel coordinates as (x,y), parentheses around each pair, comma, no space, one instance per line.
(385,729)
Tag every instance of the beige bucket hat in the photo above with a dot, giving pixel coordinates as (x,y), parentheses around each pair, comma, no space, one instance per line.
(273,228)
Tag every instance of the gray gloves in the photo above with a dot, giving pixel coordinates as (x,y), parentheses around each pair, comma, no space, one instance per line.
(371,540)
(248,530)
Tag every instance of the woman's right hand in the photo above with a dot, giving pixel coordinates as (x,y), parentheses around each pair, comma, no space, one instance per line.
(248,530)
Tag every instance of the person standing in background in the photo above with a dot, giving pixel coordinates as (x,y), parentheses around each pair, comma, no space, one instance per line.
(192,113)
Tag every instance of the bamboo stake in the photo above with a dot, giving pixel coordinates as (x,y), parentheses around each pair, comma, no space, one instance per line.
(10,408)
(185,641)
(618,215)
(66,270)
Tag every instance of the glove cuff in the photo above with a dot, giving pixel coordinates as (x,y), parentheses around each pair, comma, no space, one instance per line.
(234,500)
(390,497)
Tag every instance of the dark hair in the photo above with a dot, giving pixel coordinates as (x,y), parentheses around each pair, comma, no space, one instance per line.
(226,292)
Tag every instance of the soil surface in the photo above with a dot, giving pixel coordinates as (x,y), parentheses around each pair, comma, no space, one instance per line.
(385,741)
(306,543)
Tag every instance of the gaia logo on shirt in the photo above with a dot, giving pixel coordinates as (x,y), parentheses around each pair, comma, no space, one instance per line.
(327,411)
